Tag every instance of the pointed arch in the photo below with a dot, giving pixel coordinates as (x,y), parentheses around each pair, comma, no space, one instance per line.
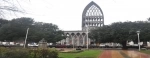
(91,13)
(90,5)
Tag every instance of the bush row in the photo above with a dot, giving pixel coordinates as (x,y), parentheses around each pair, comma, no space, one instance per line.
(27,53)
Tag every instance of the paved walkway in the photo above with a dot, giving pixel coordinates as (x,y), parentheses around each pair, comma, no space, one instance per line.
(123,54)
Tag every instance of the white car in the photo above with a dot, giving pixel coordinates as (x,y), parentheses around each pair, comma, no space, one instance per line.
(102,45)
(31,45)
(135,45)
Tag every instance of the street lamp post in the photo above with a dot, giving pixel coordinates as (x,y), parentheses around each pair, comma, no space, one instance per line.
(138,33)
(87,37)
(26,38)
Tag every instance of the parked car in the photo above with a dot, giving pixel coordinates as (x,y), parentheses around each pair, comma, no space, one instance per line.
(102,45)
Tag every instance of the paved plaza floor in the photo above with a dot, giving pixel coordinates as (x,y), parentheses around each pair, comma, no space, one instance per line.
(123,54)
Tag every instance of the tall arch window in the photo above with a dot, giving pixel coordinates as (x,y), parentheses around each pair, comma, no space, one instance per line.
(94,13)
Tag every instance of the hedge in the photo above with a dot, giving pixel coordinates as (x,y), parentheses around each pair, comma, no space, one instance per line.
(27,53)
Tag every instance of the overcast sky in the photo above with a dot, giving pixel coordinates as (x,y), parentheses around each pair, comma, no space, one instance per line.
(67,14)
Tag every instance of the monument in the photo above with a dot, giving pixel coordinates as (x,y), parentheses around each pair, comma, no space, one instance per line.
(42,43)
(92,17)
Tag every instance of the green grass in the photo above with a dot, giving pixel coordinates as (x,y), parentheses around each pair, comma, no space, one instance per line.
(146,51)
(86,53)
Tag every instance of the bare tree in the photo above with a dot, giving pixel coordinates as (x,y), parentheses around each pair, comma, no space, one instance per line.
(9,7)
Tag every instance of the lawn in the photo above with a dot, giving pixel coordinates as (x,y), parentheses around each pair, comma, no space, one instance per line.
(86,53)
(146,51)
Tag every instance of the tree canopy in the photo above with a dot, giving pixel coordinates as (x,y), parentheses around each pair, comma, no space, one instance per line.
(16,29)
(120,32)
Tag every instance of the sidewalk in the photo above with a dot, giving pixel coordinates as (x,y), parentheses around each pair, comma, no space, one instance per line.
(123,54)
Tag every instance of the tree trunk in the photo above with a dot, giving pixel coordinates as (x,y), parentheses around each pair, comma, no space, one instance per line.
(26,46)
(145,43)
(97,41)
(124,46)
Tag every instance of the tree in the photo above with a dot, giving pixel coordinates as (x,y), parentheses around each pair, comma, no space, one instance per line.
(3,21)
(121,32)
(49,31)
(101,34)
(148,19)
(15,30)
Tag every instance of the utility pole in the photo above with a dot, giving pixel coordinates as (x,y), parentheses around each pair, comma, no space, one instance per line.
(26,38)
(138,33)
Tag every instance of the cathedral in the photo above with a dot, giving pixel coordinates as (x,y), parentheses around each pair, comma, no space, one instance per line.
(92,17)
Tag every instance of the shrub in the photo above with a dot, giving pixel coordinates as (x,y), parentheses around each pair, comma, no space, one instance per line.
(17,53)
(27,53)
(43,53)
